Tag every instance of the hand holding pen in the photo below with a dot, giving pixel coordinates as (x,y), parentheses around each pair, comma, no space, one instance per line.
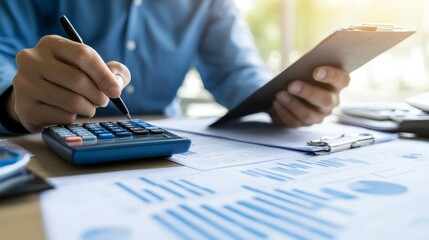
(72,33)
(59,79)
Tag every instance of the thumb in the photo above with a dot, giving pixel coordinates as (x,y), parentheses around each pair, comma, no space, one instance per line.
(121,73)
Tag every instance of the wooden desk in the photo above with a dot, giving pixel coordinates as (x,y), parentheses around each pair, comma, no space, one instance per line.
(21,217)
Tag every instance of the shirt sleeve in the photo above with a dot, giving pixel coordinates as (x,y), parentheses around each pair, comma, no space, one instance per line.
(228,61)
(18,30)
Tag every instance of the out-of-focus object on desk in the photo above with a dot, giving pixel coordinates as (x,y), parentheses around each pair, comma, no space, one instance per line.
(386,116)
(14,178)
(420,101)
(11,163)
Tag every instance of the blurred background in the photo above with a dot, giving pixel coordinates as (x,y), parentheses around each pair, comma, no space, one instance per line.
(284,30)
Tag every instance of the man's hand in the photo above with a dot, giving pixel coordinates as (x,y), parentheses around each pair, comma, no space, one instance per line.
(60,79)
(303,104)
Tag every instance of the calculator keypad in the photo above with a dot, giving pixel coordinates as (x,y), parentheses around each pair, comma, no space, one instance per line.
(92,132)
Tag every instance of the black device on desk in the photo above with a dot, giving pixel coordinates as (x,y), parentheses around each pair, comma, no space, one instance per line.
(97,142)
(410,117)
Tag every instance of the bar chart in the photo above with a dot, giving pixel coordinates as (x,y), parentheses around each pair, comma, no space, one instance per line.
(149,191)
(350,195)
(279,213)
(286,171)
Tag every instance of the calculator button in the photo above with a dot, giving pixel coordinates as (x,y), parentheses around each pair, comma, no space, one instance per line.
(88,138)
(105,136)
(123,134)
(114,130)
(135,129)
(97,132)
(140,132)
(140,123)
(156,131)
(151,128)
(73,139)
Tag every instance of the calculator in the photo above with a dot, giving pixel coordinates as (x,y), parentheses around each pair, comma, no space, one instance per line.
(98,142)
(386,116)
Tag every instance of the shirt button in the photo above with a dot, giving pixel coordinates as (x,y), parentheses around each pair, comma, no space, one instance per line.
(138,2)
(131,45)
(130,89)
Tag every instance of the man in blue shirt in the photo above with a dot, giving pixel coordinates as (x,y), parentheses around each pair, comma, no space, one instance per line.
(47,79)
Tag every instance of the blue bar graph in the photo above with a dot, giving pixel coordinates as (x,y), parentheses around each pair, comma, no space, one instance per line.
(236,223)
(316,204)
(297,213)
(153,194)
(413,156)
(337,194)
(281,171)
(150,191)
(218,226)
(133,193)
(260,215)
(163,187)
(263,222)
(256,207)
(311,195)
(207,190)
(172,227)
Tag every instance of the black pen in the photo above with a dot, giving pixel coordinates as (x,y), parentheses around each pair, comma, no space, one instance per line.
(73,35)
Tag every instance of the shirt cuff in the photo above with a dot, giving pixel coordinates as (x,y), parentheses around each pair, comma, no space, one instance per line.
(7,124)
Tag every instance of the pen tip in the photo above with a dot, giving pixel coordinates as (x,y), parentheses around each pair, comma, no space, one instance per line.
(128,116)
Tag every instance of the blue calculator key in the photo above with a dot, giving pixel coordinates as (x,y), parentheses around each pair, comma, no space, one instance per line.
(140,123)
(97,132)
(114,130)
(105,136)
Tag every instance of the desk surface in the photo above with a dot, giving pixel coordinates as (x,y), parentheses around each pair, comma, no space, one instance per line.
(21,217)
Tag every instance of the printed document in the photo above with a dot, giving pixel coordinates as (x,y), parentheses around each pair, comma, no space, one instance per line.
(376,192)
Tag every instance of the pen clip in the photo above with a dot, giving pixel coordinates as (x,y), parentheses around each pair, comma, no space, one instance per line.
(341,142)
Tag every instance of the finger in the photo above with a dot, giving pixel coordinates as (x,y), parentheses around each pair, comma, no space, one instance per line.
(300,109)
(121,72)
(89,61)
(54,95)
(39,116)
(67,100)
(335,77)
(283,117)
(75,80)
(321,98)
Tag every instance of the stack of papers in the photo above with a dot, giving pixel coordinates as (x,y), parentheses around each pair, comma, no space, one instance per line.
(373,192)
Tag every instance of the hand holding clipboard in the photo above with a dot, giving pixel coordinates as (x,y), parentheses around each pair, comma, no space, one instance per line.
(347,48)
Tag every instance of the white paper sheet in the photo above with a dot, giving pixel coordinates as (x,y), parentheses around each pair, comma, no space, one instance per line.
(357,194)
(208,153)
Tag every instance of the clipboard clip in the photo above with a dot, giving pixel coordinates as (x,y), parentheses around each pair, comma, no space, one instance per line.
(373,27)
(341,142)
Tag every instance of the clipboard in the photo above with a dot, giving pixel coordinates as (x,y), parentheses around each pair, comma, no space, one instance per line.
(318,139)
(347,48)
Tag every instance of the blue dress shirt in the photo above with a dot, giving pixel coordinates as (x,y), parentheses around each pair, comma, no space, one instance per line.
(158,40)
